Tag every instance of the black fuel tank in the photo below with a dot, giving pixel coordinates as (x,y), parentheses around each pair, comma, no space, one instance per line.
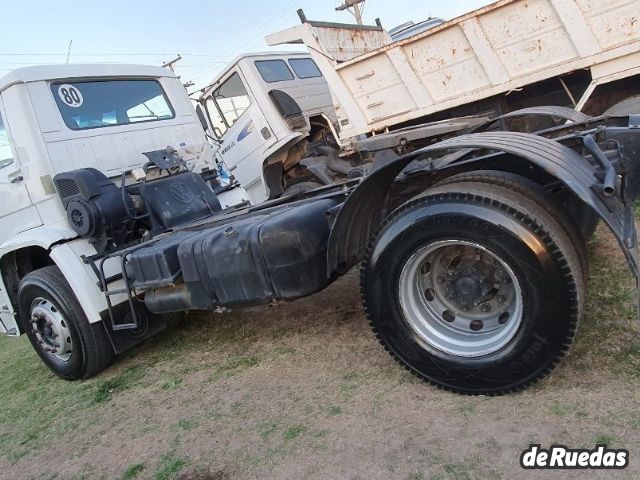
(252,260)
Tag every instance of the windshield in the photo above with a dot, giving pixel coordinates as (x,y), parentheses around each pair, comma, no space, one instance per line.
(96,104)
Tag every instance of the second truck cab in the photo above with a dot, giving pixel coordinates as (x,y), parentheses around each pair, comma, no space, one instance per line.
(259,108)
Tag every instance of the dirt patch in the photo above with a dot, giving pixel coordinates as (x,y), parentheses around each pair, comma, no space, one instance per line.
(303,390)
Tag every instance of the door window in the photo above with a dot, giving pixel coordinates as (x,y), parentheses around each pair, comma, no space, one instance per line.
(217,122)
(232,100)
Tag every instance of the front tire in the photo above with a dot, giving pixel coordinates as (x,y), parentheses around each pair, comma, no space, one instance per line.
(473,288)
(58,329)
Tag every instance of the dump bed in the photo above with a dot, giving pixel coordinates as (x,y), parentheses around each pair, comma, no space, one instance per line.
(377,83)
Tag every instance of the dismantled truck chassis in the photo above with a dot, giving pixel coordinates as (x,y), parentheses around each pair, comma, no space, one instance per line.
(472,250)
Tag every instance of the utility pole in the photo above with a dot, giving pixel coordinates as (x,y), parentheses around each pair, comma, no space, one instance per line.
(171,63)
(355,5)
(69,50)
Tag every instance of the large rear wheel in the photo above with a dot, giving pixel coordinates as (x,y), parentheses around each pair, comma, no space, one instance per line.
(474,288)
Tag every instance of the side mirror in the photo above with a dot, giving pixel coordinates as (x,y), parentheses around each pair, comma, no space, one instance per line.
(202,117)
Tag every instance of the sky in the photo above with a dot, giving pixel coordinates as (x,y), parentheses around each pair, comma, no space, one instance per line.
(208,34)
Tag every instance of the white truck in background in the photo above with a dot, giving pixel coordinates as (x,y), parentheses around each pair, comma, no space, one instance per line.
(360,91)
(264,105)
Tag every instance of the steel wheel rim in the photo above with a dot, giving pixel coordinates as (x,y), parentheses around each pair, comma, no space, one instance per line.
(460,298)
(51,329)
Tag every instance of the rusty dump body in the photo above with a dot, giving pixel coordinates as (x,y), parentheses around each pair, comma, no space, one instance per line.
(378,84)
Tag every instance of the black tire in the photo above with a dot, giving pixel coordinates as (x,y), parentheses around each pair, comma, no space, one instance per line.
(89,349)
(628,106)
(536,193)
(520,233)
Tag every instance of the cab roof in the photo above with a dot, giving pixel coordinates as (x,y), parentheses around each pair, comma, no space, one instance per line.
(89,70)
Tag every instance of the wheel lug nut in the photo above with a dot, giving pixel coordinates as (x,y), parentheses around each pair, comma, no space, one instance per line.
(496,286)
(445,260)
(485,307)
(501,299)
(476,325)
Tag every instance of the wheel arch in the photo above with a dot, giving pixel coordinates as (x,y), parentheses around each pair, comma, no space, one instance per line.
(43,247)
(366,207)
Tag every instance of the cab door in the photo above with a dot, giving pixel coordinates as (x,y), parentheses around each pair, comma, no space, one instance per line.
(17,212)
(238,120)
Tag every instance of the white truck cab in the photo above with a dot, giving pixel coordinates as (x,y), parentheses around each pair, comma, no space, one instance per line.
(59,118)
(259,108)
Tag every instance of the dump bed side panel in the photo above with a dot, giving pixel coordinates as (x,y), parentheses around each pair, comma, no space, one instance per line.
(498,48)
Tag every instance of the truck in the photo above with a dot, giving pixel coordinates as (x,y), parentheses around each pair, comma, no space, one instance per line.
(510,55)
(471,249)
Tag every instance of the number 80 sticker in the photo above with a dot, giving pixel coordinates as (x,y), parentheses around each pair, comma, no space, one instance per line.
(70,95)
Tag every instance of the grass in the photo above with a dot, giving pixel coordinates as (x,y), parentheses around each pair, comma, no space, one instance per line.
(172,383)
(107,388)
(294,432)
(170,466)
(266,429)
(604,439)
(186,424)
(291,392)
(334,410)
(234,366)
(133,471)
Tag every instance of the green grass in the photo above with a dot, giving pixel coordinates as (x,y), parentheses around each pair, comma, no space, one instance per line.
(170,466)
(172,383)
(334,410)
(107,388)
(133,471)
(233,366)
(467,408)
(266,429)
(294,432)
(605,439)
(559,410)
(186,424)
(457,471)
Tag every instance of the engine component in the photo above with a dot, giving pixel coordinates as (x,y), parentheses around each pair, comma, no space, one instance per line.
(95,206)
(178,199)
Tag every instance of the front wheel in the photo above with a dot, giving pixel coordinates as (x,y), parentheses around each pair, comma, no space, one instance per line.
(58,329)
(474,288)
